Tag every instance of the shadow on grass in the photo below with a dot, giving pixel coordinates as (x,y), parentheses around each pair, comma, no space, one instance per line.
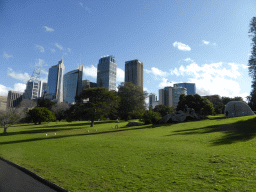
(121,129)
(233,132)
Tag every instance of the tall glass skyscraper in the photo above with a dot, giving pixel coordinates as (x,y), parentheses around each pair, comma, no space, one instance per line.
(106,73)
(72,84)
(191,87)
(55,82)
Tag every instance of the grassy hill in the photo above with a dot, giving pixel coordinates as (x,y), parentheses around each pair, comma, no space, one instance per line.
(3,102)
(216,154)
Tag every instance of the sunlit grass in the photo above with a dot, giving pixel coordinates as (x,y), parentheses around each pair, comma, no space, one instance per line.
(208,155)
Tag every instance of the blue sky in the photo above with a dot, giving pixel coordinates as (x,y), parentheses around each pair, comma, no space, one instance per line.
(205,42)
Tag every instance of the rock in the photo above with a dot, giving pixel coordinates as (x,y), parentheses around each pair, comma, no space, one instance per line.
(180,116)
(133,123)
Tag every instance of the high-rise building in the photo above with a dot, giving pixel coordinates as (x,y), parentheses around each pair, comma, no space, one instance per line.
(191,87)
(14,98)
(87,84)
(55,82)
(170,96)
(153,100)
(44,89)
(72,85)
(134,72)
(33,90)
(106,73)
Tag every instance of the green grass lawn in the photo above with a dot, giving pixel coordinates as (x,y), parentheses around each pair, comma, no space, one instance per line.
(216,154)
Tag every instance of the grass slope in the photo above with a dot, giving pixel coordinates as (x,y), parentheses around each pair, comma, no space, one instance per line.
(210,155)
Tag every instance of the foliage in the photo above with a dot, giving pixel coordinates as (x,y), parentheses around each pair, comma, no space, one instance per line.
(10,117)
(201,105)
(41,114)
(163,110)
(60,110)
(100,103)
(132,100)
(151,117)
(252,64)
(27,104)
(45,103)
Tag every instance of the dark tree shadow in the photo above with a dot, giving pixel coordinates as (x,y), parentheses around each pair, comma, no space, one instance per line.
(120,129)
(234,132)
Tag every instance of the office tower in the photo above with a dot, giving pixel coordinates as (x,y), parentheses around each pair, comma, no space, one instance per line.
(55,82)
(191,87)
(44,89)
(134,72)
(72,84)
(14,98)
(87,84)
(33,90)
(106,73)
(170,96)
(153,100)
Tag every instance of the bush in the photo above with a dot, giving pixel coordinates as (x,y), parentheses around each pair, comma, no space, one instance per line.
(41,114)
(151,117)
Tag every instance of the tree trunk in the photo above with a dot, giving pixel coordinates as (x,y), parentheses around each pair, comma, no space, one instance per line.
(92,123)
(5,129)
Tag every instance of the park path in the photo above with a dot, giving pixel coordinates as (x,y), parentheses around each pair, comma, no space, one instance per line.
(12,179)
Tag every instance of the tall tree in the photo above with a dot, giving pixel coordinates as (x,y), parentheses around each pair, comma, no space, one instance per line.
(60,110)
(132,99)
(10,117)
(252,64)
(98,102)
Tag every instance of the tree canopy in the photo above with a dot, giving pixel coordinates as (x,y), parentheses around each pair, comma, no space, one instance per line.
(163,110)
(132,100)
(201,105)
(99,102)
(41,114)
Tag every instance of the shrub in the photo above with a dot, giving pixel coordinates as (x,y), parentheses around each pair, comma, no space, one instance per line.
(41,114)
(151,117)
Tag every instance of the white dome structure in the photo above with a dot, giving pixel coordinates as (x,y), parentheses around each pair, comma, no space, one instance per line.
(237,109)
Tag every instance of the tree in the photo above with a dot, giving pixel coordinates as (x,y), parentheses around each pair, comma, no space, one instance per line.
(45,103)
(132,100)
(252,64)
(60,110)
(151,117)
(27,104)
(10,117)
(41,114)
(201,105)
(100,103)
(163,110)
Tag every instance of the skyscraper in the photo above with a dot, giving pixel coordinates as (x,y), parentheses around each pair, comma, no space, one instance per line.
(33,90)
(170,96)
(72,85)
(55,82)
(134,72)
(191,87)
(106,73)
(153,100)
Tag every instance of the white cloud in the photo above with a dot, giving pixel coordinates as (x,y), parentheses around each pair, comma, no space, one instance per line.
(53,50)
(5,55)
(59,46)
(45,74)
(181,46)
(245,66)
(206,42)
(40,48)
(20,87)
(24,77)
(119,75)
(155,71)
(215,78)
(90,71)
(188,59)
(165,83)
(48,29)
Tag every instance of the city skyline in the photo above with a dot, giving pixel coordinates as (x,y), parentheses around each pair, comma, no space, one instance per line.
(202,42)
